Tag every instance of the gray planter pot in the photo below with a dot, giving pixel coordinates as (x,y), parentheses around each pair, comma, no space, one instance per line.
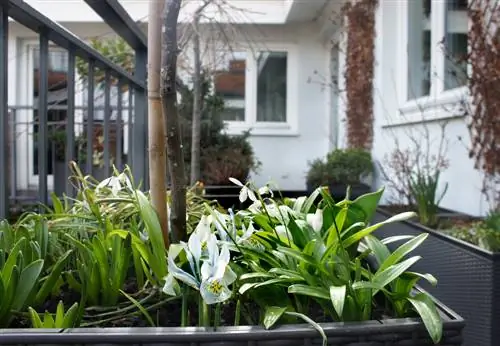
(468,278)
(60,178)
(395,332)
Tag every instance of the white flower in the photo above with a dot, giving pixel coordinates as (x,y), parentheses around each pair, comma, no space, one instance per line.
(315,220)
(245,192)
(209,272)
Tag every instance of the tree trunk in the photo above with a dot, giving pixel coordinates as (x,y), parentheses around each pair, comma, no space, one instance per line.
(168,92)
(197,105)
(156,129)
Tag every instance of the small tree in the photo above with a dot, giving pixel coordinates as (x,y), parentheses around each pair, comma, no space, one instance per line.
(168,93)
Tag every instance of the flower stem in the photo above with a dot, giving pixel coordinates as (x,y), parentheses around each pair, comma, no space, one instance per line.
(204,314)
(184,313)
(217,317)
(237,313)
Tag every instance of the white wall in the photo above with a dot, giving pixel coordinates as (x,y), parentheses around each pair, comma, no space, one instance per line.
(284,154)
(390,123)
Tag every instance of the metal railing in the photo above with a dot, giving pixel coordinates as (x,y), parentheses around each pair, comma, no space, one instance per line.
(38,141)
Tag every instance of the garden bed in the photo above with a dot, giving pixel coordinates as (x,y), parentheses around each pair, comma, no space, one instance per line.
(469,276)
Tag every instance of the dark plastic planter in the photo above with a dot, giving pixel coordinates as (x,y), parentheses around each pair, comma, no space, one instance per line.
(395,332)
(468,278)
(338,191)
(227,196)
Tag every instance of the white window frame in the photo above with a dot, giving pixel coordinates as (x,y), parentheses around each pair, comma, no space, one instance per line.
(432,104)
(288,128)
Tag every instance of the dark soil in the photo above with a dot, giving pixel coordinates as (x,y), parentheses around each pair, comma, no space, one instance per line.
(164,312)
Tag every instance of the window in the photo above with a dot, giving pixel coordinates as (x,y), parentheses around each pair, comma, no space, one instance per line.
(253,86)
(436,46)
(57,60)
(271,87)
(455,44)
(419,48)
(230,85)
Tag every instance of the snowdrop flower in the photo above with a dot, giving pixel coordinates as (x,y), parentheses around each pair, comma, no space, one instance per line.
(315,220)
(209,272)
(245,192)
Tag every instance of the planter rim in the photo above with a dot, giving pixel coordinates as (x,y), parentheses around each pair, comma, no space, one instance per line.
(144,335)
(458,242)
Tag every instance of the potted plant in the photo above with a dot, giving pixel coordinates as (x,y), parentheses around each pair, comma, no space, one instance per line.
(277,271)
(342,168)
(462,250)
(230,157)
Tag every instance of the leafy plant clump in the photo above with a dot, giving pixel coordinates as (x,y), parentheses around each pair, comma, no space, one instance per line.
(101,261)
(484,233)
(341,166)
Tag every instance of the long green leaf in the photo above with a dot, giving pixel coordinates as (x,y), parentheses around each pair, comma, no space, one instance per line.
(337,296)
(154,231)
(27,281)
(53,277)
(312,323)
(403,250)
(316,292)
(272,315)
(385,277)
(427,310)
(356,237)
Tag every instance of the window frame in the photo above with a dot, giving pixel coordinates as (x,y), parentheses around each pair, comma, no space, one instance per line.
(439,96)
(268,128)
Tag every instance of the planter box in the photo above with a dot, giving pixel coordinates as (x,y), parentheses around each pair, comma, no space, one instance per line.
(468,278)
(227,196)
(338,191)
(395,332)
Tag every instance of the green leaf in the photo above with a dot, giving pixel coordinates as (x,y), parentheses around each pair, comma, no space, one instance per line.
(383,278)
(153,228)
(53,277)
(141,308)
(368,203)
(316,292)
(427,310)
(356,237)
(379,250)
(35,319)
(28,278)
(70,317)
(403,250)
(312,323)
(272,315)
(59,314)
(337,296)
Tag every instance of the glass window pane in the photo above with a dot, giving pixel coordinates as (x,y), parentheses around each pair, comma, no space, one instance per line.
(230,85)
(419,48)
(271,86)
(456,44)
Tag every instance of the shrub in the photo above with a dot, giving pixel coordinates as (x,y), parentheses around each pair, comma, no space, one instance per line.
(341,166)
(222,156)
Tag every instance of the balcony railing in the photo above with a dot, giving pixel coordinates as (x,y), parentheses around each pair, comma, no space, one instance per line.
(39,140)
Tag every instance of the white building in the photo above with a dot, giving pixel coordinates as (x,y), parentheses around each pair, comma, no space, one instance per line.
(303,120)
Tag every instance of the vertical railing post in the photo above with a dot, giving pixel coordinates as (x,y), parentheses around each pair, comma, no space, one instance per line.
(139,124)
(119,126)
(4,111)
(107,116)
(43,89)
(90,117)
(70,119)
